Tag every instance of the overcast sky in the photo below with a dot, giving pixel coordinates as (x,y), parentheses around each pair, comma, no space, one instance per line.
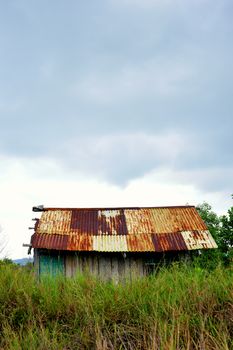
(113,103)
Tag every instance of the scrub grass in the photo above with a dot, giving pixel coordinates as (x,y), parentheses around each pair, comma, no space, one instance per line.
(181,307)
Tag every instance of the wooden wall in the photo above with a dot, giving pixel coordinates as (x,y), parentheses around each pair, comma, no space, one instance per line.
(108,266)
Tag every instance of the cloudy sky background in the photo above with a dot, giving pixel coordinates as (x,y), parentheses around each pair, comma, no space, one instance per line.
(113,103)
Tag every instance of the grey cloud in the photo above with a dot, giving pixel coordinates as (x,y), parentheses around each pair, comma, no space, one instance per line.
(121,157)
(76,74)
(209,179)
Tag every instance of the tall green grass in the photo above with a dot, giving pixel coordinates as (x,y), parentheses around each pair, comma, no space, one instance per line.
(181,307)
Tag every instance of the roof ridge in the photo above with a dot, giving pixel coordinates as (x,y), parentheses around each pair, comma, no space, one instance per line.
(118,208)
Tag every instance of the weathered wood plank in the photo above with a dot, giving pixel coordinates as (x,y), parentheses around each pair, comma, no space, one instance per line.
(108,268)
(114,269)
(79,269)
(105,267)
(121,268)
(89,264)
(95,267)
(140,267)
(69,265)
(133,268)
(101,269)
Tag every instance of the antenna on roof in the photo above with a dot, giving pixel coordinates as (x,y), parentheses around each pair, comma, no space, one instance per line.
(38,208)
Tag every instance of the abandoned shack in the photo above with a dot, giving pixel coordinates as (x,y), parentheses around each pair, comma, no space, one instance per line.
(115,243)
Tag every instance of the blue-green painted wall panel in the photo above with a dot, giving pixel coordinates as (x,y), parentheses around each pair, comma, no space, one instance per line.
(51,264)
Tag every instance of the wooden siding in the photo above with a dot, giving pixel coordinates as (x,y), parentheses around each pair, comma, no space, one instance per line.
(107,266)
(51,264)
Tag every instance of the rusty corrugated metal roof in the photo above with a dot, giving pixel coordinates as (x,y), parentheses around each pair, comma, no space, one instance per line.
(111,243)
(81,242)
(198,239)
(140,243)
(122,229)
(59,242)
(169,241)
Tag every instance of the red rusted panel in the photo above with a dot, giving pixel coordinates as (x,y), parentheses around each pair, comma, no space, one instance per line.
(80,242)
(112,222)
(168,241)
(140,243)
(84,221)
(58,242)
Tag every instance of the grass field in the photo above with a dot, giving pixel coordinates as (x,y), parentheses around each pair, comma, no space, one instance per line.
(179,308)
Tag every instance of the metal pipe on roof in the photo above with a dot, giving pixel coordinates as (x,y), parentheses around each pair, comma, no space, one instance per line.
(38,208)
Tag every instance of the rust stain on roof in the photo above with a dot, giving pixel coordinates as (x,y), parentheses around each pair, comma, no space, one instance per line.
(139,221)
(55,222)
(168,242)
(58,242)
(111,222)
(80,242)
(140,243)
(176,219)
(84,221)
(122,229)
(198,239)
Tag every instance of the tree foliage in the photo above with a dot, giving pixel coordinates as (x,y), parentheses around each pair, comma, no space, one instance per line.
(210,218)
(225,239)
(221,228)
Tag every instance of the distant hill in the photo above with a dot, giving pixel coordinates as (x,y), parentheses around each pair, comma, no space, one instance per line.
(23,261)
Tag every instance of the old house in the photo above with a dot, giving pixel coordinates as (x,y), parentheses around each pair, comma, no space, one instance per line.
(114,243)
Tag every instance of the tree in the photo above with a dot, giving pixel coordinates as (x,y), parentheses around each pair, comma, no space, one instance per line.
(209,258)
(210,218)
(221,229)
(225,241)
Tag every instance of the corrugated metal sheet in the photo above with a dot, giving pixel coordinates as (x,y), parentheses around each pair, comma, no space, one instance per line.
(139,221)
(84,221)
(55,222)
(59,242)
(140,243)
(112,222)
(110,243)
(198,239)
(122,229)
(169,241)
(80,242)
